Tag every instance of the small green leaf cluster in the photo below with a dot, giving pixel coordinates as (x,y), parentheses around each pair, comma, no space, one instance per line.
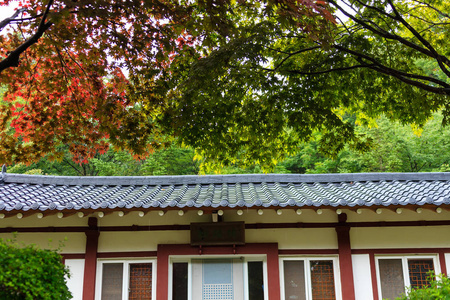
(439,289)
(29,273)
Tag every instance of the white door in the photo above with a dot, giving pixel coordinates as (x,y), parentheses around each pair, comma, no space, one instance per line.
(217,279)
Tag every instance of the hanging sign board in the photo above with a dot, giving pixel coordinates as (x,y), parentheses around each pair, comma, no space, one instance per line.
(217,234)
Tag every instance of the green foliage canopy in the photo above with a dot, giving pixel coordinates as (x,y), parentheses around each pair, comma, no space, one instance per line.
(79,73)
(169,161)
(395,148)
(245,81)
(28,273)
(439,289)
(267,87)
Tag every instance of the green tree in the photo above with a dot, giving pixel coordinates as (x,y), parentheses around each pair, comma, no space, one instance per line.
(267,88)
(398,148)
(438,289)
(88,74)
(255,91)
(28,273)
(394,148)
(247,80)
(168,161)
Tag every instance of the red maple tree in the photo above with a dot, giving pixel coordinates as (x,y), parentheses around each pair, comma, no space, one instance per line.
(62,63)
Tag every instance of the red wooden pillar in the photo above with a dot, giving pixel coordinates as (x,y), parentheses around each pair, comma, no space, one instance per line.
(162,273)
(442,263)
(345,258)
(90,260)
(273,271)
(373,272)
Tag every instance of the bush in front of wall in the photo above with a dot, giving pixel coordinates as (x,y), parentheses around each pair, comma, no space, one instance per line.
(29,273)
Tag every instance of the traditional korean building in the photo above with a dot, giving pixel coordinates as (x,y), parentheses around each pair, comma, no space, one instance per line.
(249,237)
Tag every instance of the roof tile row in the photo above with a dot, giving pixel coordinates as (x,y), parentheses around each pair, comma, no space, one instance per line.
(41,193)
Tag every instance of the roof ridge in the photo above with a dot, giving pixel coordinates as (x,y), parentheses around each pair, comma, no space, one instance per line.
(219,179)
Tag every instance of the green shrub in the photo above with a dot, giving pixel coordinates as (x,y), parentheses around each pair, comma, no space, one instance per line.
(439,289)
(29,273)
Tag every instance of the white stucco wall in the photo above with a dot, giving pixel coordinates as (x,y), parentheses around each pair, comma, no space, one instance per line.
(295,238)
(291,238)
(400,237)
(286,239)
(65,242)
(140,241)
(75,282)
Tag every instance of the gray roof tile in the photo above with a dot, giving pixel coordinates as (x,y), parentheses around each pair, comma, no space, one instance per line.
(41,193)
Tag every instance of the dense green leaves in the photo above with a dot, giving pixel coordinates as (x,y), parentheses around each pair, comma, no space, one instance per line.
(28,273)
(393,148)
(69,87)
(245,82)
(269,88)
(439,289)
(170,161)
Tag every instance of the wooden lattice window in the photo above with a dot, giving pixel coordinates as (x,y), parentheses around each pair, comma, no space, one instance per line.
(309,279)
(397,273)
(419,270)
(322,280)
(140,286)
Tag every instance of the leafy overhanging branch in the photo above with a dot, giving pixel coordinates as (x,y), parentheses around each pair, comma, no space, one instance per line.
(277,77)
(13,58)
(231,78)
(11,19)
(367,61)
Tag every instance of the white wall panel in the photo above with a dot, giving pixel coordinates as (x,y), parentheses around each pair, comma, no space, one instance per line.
(447,262)
(362,277)
(75,282)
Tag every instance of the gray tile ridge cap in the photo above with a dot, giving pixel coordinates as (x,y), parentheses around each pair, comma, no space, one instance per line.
(209,179)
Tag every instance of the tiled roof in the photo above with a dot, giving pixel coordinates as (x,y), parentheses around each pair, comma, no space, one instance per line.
(42,193)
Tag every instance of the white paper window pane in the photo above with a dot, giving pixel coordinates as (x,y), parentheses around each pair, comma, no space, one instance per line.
(294,280)
(391,278)
(112,281)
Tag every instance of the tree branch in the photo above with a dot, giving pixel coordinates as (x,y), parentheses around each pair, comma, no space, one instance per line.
(403,76)
(433,8)
(440,58)
(10,19)
(322,72)
(12,60)
(295,53)
(380,11)
(21,20)
(383,33)
(72,166)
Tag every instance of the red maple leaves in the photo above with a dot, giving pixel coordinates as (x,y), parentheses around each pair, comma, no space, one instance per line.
(58,99)
(69,88)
